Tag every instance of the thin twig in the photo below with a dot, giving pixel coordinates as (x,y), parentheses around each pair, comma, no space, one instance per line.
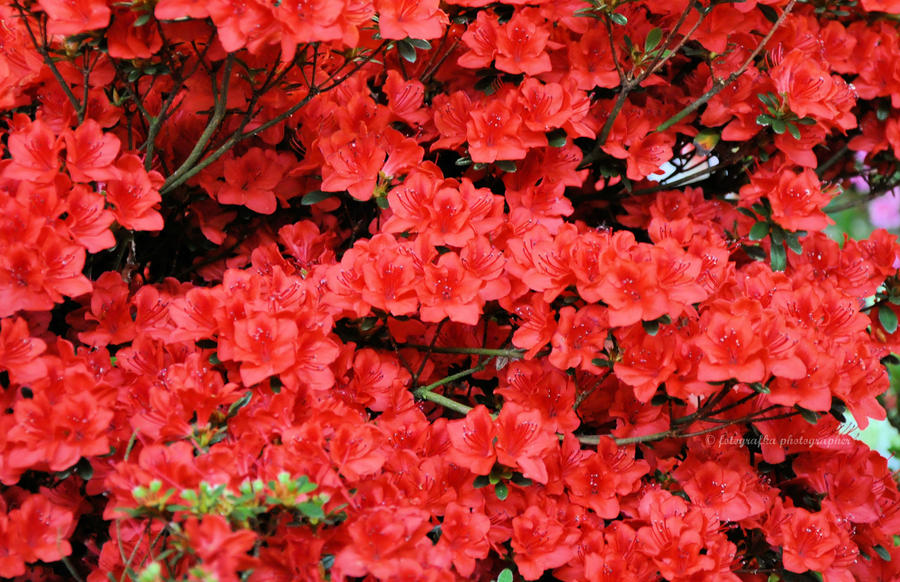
(45,54)
(720,84)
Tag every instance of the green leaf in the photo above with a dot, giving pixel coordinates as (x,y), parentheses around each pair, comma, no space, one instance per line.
(887,318)
(777,258)
(235,406)
(419,43)
(759,231)
(808,415)
(747,212)
(619,19)
(142,20)
(486,85)
(651,327)
(501,490)
(755,253)
(778,126)
(792,129)
(311,510)
(793,242)
(652,40)
(882,552)
(382,202)
(882,113)
(315,197)
(507,166)
(556,138)
(764,119)
(463,161)
(505,576)
(481,481)
(760,387)
(769,12)
(407,51)
(521,480)
(777,234)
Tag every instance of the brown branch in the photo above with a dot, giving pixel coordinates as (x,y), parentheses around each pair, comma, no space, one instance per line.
(720,84)
(41,48)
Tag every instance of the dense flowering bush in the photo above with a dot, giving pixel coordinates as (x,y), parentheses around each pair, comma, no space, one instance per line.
(418,290)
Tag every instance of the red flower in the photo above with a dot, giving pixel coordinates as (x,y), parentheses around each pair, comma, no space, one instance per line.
(70,17)
(19,352)
(399,19)
(251,180)
(449,290)
(541,542)
(472,440)
(222,552)
(520,44)
(464,533)
(135,194)
(35,152)
(523,441)
(494,133)
(264,345)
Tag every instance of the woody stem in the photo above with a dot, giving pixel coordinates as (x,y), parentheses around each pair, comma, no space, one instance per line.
(426,392)
(720,84)
(510,353)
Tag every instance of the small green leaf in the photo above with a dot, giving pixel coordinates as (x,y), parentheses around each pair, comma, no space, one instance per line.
(463,161)
(759,231)
(777,234)
(882,552)
(84,469)
(882,113)
(521,480)
(142,20)
(760,387)
(769,12)
(652,40)
(755,253)
(778,126)
(806,121)
(481,481)
(619,19)
(311,510)
(501,490)
(556,138)
(778,258)
(887,318)
(235,406)
(808,415)
(419,43)
(747,212)
(382,202)
(651,327)
(315,197)
(793,242)
(505,576)
(407,51)
(507,166)
(764,119)
(792,129)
